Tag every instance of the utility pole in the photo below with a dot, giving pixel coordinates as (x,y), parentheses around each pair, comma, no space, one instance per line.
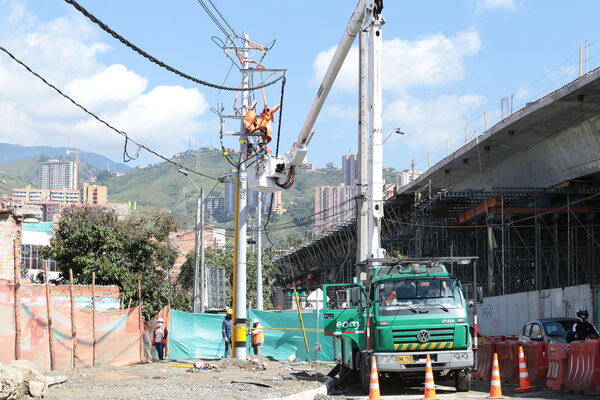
(195,305)
(240,285)
(203,297)
(259,286)
(363,138)
(375,190)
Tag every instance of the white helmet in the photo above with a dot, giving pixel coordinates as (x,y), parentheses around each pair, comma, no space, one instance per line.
(255,321)
(160,320)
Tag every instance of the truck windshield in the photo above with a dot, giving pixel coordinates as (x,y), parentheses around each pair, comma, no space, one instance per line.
(412,296)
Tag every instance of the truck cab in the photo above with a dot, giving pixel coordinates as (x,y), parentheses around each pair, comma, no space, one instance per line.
(403,310)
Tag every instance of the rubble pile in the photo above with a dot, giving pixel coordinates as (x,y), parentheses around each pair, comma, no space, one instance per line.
(21,378)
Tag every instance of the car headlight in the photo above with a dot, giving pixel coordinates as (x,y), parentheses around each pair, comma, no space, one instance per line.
(464,356)
(456,356)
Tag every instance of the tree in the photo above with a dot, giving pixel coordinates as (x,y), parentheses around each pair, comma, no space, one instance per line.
(330,166)
(91,239)
(224,258)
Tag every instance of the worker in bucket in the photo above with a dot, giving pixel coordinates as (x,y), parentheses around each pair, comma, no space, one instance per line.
(226,329)
(159,339)
(258,337)
(582,329)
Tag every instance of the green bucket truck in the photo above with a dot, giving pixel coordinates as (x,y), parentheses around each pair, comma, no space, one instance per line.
(403,310)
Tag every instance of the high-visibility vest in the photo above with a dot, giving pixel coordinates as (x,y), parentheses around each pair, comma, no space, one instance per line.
(165,333)
(257,335)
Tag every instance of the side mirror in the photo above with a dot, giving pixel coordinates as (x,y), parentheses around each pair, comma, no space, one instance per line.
(537,338)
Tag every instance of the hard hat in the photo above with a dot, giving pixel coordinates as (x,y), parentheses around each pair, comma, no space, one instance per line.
(160,320)
(255,321)
(229,311)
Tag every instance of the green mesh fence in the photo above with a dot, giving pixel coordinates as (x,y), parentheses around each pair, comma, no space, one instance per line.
(199,335)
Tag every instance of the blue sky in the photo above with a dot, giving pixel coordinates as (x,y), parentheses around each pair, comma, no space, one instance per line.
(445,62)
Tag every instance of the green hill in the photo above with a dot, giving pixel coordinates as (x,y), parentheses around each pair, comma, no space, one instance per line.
(160,188)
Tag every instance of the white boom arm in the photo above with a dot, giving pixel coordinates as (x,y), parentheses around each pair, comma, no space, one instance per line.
(298,152)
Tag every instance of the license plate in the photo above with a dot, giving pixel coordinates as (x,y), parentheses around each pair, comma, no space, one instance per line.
(404,359)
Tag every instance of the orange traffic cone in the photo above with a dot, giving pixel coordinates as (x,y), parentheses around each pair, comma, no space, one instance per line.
(429,385)
(524,382)
(496,387)
(374,385)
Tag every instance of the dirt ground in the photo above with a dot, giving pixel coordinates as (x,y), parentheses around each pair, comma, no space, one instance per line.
(256,378)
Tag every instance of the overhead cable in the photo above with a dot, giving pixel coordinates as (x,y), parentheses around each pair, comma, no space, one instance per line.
(120,132)
(156,61)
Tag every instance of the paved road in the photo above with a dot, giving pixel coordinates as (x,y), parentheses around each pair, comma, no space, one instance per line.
(391,389)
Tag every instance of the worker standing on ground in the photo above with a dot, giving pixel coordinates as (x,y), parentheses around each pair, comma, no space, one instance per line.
(226,329)
(258,337)
(159,339)
(582,329)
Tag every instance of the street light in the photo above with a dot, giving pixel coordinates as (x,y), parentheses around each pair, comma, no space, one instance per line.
(396,131)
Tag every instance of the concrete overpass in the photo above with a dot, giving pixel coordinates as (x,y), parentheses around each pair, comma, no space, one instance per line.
(550,141)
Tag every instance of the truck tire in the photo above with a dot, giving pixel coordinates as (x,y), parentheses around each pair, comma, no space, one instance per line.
(365,373)
(462,380)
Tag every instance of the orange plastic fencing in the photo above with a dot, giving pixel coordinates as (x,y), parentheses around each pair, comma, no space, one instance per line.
(508,358)
(583,374)
(485,354)
(536,358)
(119,333)
(558,355)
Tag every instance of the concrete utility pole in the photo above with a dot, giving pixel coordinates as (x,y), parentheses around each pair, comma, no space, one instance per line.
(240,295)
(195,302)
(259,286)
(363,139)
(203,297)
(375,190)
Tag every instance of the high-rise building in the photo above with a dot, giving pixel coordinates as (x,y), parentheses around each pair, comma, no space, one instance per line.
(333,205)
(350,169)
(214,207)
(55,174)
(95,194)
(408,176)
(229,201)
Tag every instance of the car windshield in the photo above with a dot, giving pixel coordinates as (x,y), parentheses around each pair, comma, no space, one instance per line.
(419,295)
(557,328)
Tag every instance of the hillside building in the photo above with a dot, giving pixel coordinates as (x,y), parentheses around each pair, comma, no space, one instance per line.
(407,176)
(56,174)
(94,194)
(214,207)
(333,205)
(350,169)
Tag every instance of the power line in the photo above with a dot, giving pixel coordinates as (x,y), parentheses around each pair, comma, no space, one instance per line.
(156,61)
(120,132)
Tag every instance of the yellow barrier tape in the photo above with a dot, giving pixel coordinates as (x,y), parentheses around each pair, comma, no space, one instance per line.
(293,329)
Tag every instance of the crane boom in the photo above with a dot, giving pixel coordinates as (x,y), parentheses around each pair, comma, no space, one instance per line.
(298,152)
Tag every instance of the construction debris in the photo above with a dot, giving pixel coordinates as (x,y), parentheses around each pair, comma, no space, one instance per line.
(21,378)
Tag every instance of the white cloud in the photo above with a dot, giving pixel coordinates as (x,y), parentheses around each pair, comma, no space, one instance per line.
(494,4)
(435,60)
(65,50)
(428,123)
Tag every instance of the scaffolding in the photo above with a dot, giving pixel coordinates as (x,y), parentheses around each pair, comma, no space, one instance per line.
(525,238)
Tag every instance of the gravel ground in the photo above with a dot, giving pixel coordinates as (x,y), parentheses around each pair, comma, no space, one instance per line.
(256,378)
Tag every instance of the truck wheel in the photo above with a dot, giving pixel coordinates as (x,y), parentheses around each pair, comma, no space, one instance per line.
(365,373)
(462,380)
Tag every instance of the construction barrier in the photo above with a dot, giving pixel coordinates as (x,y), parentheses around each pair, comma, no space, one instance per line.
(199,335)
(558,355)
(537,362)
(583,373)
(508,358)
(119,336)
(485,355)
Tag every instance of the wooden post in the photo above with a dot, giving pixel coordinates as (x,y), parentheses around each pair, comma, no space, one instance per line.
(49,317)
(17,285)
(73,323)
(93,318)
(141,322)
(168,326)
